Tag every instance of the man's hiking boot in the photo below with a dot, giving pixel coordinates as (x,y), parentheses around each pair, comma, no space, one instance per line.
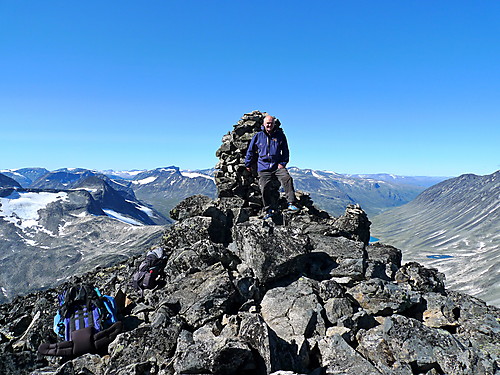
(292,207)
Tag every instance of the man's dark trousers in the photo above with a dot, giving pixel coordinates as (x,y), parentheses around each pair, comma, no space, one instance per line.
(265,178)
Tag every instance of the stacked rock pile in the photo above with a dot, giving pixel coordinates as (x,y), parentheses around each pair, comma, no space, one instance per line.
(232,178)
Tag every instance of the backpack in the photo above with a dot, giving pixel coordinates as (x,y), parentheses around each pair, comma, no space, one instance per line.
(86,321)
(146,276)
(83,306)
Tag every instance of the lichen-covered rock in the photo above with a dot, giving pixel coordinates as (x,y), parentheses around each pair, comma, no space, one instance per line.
(294,311)
(339,358)
(412,342)
(383,261)
(203,296)
(271,252)
(354,224)
(338,308)
(145,344)
(440,311)
(380,297)
(202,352)
(420,279)
(196,205)
(274,352)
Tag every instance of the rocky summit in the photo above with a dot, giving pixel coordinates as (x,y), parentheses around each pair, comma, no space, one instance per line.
(304,293)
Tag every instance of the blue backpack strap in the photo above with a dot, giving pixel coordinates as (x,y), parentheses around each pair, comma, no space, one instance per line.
(58,324)
(110,304)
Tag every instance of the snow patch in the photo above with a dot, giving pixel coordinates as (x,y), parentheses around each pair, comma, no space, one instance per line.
(118,182)
(21,208)
(30,242)
(331,172)
(173,170)
(145,181)
(120,217)
(144,209)
(13,171)
(196,174)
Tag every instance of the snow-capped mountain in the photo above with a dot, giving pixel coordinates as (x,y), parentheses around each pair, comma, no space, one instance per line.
(70,178)
(51,234)
(163,188)
(113,203)
(455,227)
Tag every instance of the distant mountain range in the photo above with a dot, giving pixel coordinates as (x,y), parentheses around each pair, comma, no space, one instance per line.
(332,191)
(162,188)
(455,227)
(423,181)
(72,218)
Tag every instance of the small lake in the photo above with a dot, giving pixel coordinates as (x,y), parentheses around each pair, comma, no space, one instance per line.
(439,256)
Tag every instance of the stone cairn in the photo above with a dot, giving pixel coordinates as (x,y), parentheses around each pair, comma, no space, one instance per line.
(236,186)
(232,178)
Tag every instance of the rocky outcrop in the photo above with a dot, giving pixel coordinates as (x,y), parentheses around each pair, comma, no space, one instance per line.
(299,298)
(303,294)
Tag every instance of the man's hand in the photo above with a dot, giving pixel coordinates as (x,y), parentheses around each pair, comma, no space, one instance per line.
(249,169)
(281,166)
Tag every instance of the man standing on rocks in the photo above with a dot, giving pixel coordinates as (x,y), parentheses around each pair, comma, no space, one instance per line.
(270,148)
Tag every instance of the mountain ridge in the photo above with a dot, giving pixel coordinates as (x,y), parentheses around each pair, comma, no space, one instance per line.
(330,190)
(453,226)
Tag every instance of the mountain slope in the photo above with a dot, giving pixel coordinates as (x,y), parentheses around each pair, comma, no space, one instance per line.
(454,226)
(113,203)
(6,181)
(70,178)
(333,192)
(48,235)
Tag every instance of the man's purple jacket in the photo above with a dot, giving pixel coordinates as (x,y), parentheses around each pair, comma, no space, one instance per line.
(268,150)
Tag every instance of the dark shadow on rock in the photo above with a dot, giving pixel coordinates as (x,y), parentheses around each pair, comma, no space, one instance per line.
(131,322)
(416,311)
(260,364)
(315,265)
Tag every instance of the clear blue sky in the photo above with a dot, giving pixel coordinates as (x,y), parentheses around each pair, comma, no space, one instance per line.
(404,87)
